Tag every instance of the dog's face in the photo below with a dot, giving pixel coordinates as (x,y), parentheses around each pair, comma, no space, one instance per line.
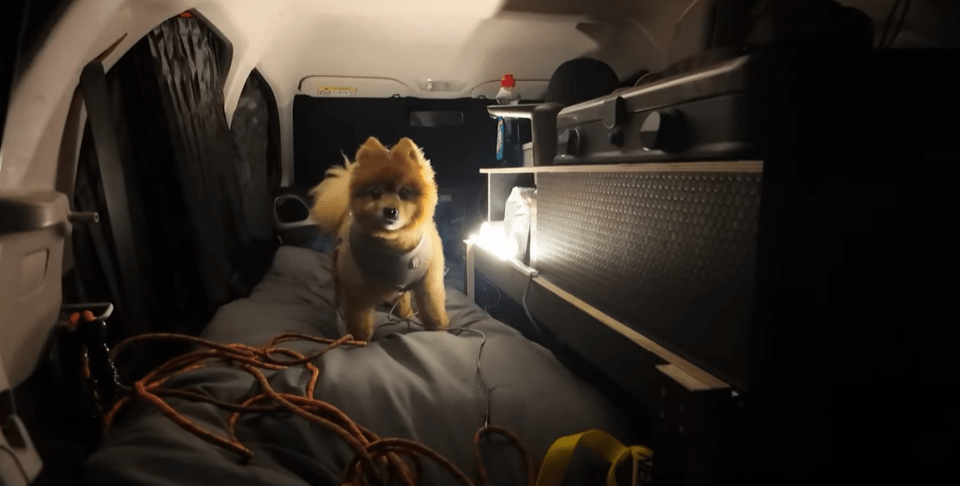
(392,190)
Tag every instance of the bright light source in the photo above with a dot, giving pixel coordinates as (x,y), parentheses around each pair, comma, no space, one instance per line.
(493,238)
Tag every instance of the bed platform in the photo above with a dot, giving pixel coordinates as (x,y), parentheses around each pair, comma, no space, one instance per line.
(407,383)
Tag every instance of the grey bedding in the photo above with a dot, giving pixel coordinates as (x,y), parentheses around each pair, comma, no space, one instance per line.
(408,383)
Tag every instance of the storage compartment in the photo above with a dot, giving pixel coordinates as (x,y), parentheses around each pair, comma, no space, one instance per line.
(703,115)
(669,249)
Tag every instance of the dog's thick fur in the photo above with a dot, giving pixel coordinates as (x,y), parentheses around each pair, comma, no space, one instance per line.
(357,193)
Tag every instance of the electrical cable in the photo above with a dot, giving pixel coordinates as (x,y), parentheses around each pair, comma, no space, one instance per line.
(526,307)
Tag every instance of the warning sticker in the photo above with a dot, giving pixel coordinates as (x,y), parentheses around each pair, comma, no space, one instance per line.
(336,91)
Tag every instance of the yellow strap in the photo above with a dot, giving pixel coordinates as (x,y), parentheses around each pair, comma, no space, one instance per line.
(558,457)
(637,454)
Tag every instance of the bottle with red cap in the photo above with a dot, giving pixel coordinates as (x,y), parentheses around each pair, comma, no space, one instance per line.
(507,94)
(506,129)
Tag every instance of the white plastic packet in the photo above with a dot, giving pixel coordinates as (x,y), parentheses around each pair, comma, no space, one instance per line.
(516,221)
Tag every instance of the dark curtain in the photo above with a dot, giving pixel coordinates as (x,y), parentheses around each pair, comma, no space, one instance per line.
(191,91)
(200,191)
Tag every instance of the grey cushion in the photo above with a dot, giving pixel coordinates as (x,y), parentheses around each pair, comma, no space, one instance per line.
(408,383)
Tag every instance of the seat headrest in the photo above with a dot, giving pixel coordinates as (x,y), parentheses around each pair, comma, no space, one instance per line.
(710,24)
(783,20)
(579,80)
(711,31)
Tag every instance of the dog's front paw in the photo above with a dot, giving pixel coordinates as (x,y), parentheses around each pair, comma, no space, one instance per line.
(360,324)
(404,308)
(430,303)
(365,336)
(444,321)
(436,322)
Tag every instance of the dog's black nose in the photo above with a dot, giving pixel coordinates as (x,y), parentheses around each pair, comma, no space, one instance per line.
(390,213)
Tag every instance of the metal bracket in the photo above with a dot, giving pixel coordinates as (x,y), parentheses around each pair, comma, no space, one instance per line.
(89,329)
(689,427)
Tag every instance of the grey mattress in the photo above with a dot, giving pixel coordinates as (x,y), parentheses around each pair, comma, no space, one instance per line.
(407,383)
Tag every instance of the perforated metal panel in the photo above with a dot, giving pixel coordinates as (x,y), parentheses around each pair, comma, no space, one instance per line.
(671,254)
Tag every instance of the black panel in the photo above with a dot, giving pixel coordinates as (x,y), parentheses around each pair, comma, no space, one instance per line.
(671,254)
(851,287)
(323,127)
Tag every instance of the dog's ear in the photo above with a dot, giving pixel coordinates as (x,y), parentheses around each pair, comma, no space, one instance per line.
(370,148)
(406,148)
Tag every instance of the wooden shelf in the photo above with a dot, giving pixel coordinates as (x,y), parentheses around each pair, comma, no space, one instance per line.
(751,166)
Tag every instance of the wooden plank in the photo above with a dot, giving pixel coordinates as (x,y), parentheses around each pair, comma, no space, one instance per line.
(707,380)
(470,281)
(511,282)
(743,166)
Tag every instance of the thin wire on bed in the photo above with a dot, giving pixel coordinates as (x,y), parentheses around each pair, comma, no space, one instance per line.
(487,390)
(486,283)
(394,320)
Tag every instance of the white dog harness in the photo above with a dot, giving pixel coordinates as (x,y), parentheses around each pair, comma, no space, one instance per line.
(378,261)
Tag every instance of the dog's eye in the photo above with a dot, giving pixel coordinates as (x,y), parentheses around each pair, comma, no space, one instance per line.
(405,193)
(375,193)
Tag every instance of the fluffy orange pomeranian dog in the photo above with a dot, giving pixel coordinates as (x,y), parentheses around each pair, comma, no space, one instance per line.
(380,207)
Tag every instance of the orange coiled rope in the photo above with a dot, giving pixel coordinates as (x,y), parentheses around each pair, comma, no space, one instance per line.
(377,461)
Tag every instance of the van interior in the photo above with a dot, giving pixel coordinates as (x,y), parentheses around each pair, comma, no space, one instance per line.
(685,242)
